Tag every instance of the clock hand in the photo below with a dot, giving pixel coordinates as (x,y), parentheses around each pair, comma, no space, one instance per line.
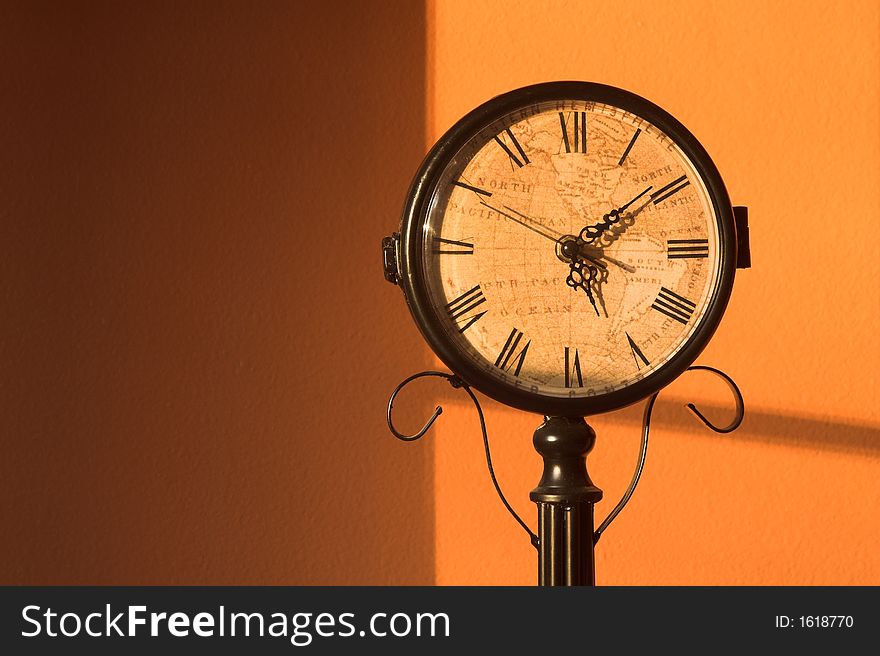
(533,228)
(546,232)
(623,265)
(592,232)
(590,282)
(577,279)
(597,285)
(614,233)
(558,236)
(599,264)
(596,262)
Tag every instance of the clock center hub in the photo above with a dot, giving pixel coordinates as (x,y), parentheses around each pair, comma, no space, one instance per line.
(567,248)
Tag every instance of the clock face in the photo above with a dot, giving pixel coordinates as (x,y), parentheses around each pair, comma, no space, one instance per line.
(570,249)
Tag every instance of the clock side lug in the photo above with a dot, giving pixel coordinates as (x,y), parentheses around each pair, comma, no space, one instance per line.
(743,252)
(389,258)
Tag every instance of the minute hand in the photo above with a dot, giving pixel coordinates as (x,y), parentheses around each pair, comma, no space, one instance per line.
(531,225)
(592,232)
(587,250)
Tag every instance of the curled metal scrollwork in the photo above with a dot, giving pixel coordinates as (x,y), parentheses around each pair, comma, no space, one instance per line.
(740,405)
(437,411)
(456,383)
(646,429)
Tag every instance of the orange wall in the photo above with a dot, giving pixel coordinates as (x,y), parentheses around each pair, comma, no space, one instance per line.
(195,344)
(194,372)
(785,98)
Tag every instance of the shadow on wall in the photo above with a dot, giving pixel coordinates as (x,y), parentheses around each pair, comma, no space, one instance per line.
(197,340)
(765,427)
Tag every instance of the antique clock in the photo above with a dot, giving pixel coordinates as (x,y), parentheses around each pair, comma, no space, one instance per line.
(567,248)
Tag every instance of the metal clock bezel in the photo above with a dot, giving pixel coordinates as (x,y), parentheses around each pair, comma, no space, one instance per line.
(414,284)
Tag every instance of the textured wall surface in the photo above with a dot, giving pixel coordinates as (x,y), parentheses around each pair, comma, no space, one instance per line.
(784,96)
(194,357)
(196,343)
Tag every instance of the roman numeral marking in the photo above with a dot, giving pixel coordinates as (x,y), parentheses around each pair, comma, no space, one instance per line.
(451,247)
(636,351)
(630,146)
(579,143)
(460,308)
(476,190)
(674,306)
(513,158)
(573,369)
(679,249)
(509,357)
(673,187)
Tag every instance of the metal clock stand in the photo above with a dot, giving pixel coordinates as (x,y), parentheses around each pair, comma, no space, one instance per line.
(565,495)
(565,498)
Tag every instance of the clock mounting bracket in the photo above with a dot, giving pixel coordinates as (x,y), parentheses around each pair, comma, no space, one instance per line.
(565,496)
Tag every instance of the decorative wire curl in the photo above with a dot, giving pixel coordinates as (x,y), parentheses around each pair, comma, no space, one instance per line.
(437,411)
(457,383)
(646,429)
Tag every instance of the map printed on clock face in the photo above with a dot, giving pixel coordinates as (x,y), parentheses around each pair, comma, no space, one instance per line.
(571,249)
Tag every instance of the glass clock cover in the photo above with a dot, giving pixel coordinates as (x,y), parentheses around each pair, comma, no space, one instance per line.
(568,248)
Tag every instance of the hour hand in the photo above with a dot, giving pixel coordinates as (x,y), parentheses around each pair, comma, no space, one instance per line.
(589,278)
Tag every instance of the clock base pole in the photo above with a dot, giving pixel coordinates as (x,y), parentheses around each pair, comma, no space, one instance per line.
(565,497)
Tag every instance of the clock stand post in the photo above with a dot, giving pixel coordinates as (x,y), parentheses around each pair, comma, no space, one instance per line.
(565,497)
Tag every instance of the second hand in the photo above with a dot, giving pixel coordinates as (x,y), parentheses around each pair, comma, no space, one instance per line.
(547,235)
(533,228)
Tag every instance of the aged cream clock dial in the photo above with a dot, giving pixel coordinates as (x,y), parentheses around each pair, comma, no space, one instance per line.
(567,248)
